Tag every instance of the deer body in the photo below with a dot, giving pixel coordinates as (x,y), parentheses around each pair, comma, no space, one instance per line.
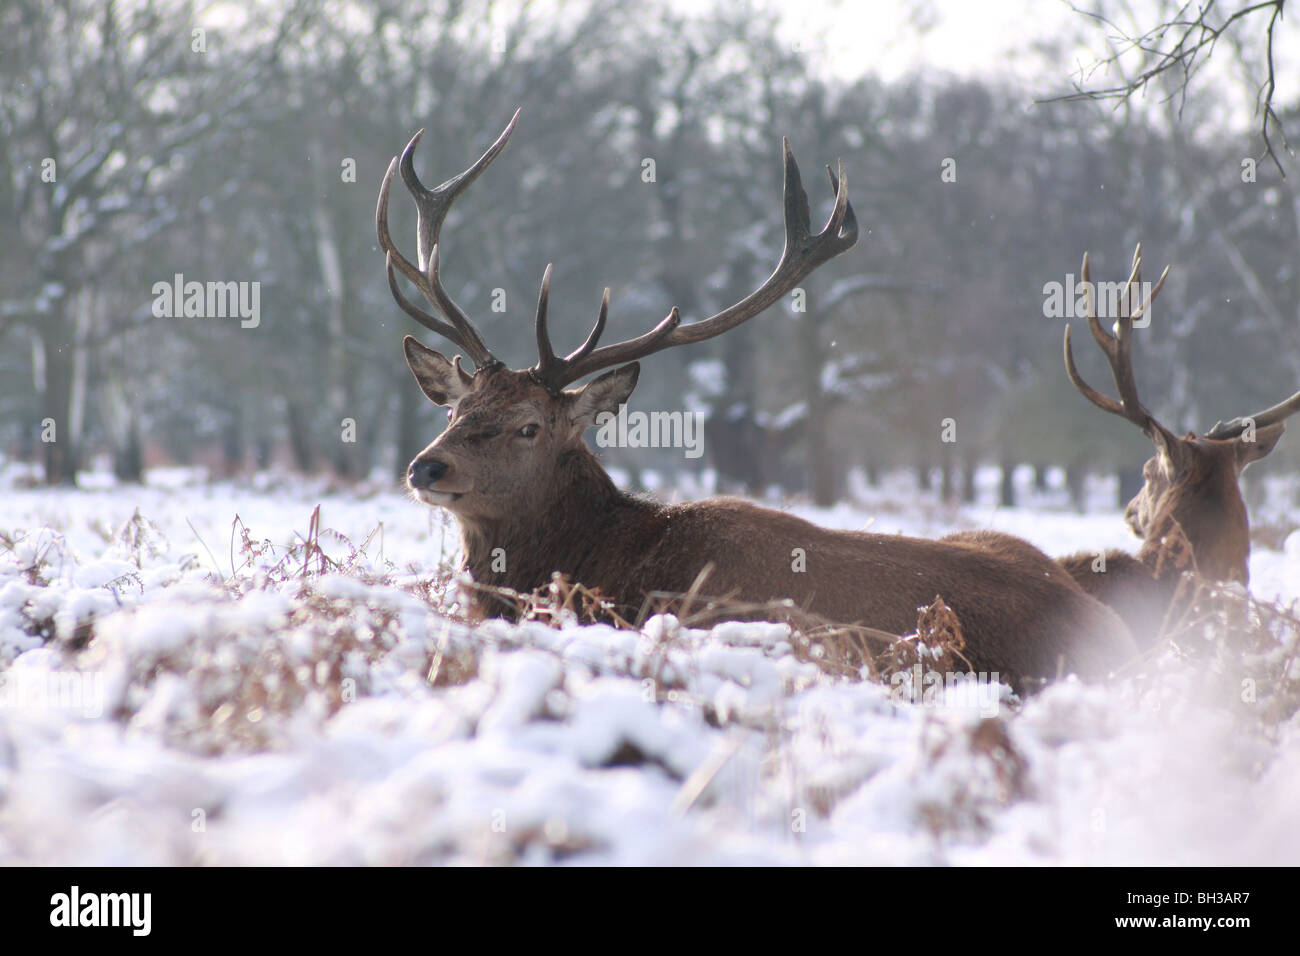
(531,499)
(1021,614)
(1135,590)
(1191,517)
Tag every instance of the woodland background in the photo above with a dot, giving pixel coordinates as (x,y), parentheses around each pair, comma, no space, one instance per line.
(228,164)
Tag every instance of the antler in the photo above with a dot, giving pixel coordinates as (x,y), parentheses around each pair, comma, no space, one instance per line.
(803,252)
(1118,349)
(432,206)
(1269,416)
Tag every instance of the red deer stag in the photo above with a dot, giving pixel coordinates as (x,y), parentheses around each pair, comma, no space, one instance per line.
(1190,514)
(531,499)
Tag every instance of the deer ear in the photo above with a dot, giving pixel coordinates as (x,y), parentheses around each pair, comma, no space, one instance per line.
(603,394)
(1170,452)
(444,382)
(1266,440)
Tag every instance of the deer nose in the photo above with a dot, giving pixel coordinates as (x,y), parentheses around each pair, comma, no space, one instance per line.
(425,472)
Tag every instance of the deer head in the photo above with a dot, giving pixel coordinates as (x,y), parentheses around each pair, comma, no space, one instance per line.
(515,436)
(1192,482)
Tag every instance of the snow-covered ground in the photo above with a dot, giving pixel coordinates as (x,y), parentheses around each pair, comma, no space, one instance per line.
(172,692)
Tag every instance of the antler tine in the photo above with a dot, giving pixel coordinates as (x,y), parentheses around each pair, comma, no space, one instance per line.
(804,251)
(583,350)
(404,265)
(414,311)
(1103,338)
(432,206)
(549,366)
(550,369)
(1110,345)
(848,224)
(547,361)
(1133,281)
(1091,394)
(1118,349)
(1160,284)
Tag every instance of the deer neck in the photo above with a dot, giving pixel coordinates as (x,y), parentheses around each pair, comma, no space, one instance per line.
(568,528)
(1213,542)
(1166,551)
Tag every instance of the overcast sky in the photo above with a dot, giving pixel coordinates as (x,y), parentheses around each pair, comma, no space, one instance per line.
(892,37)
(996,38)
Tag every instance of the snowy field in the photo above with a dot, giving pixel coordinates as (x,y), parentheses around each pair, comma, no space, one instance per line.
(174,692)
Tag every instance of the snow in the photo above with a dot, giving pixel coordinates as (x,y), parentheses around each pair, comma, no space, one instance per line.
(172,692)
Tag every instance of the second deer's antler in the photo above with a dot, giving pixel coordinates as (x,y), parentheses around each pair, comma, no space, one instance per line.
(1118,349)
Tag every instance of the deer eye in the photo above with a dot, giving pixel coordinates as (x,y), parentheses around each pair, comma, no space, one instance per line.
(528,431)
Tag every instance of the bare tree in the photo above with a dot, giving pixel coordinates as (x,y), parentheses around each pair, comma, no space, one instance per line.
(1174,51)
(100,106)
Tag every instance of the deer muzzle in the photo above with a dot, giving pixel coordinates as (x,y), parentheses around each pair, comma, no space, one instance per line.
(423,476)
(424,473)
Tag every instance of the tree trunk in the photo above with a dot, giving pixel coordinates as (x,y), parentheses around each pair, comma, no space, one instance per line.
(1130,483)
(948,474)
(119,413)
(341,377)
(232,442)
(263,451)
(1040,478)
(27,438)
(369,444)
(821,460)
(1007,486)
(304,454)
(923,468)
(128,455)
(968,467)
(1075,475)
(408,429)
(59,456)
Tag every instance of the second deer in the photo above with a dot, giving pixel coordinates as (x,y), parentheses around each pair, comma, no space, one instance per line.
(1190,513)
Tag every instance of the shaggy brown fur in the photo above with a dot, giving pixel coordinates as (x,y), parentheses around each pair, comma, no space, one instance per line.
(1129,587)
(1191,517)
(533,502)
